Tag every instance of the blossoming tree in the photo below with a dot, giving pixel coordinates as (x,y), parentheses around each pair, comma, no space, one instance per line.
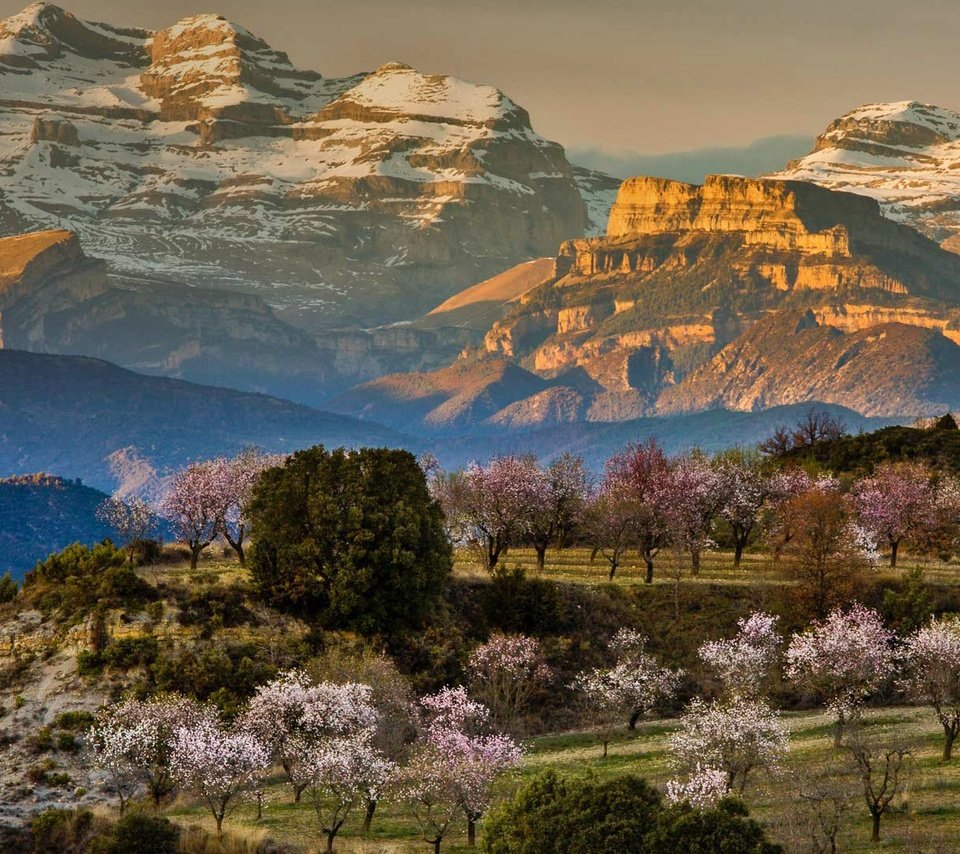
(505,673)
(844,658)
(743,664)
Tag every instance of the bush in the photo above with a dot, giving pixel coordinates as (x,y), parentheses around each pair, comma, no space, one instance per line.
(553,814)
(126,653)
(74,721)
(145,834)
(89,663)
(216,605)
(351,538)
(727,829)
(58,831)
(8,588)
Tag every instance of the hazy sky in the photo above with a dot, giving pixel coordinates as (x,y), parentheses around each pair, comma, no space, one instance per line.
(647,75)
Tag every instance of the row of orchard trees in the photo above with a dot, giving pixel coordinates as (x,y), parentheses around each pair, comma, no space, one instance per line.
(346,745)
(199,503)
(841,661)
(646,502)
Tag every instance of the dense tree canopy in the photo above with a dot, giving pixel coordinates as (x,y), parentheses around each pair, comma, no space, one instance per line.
(351,537)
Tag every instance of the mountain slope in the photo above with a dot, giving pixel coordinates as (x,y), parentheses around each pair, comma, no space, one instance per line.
(691,301)
(42,514)
(905,154)
(90,419)
(200,153)
(56,299)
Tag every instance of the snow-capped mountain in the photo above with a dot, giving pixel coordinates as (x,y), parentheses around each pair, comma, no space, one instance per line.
(906,155)
(199,153)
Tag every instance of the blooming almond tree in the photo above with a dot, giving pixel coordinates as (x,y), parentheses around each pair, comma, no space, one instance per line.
(132,521)
(217,763)
(691,503)
(608,522)
(898,502)
(702,789)
(237,477)
(735,738)
(641,474)
(457,760)
(744,488)
(340,773)
(743,664)
(150,726)
(192,505)
(494,502)
(506,673)
(844,658)
(635,685)
(116,752)
(931,674)
(557,503)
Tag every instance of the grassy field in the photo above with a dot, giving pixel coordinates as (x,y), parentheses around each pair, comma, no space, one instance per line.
(926,818)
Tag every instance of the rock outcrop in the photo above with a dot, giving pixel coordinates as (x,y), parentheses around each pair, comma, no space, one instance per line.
(199,153)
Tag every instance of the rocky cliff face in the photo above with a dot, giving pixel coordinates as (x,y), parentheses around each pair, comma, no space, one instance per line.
(681,307)
(903,154)
(55,299)
(200,153)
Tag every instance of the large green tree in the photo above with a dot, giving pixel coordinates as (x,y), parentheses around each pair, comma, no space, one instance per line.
(352,538)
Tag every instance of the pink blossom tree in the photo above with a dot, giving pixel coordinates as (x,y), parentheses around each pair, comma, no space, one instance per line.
(455,764)
(634,686)
(641,475)
(237,477)
(897,503)
(216,763)
(131,520)
(744,663)
(505,673)
(931,674)
(340,773)
(192,505)
(557,503)
(608,522)
(734,738)
(291,717)
(493,503)
(744,488)
(844,659)
(691,502)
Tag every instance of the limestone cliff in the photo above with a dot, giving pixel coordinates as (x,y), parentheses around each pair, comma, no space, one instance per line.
(680,306)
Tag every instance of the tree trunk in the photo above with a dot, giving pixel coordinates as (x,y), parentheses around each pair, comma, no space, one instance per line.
(471,832)
(606,744)
(875,837)
(838,732)
(634,718)
(238,548)
(649,562)
(541,556)
(737,551)
(194,556)
(695,561)
(368,815)
(298,791)
(436,845)
(951,735)
(330,837)
(219,820)
(613,568)
(894,548)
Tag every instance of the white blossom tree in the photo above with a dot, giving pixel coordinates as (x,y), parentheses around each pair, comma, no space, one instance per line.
(505,673)
(736,738)
(743,664)
(340,773)
(192,505)
(236,478)
(132,521)
(744,488)
(217,763)
(703,788)
(931,674)
(635,685)
(844,658)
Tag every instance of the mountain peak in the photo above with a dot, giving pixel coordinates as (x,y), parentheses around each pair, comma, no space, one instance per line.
(904,154)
